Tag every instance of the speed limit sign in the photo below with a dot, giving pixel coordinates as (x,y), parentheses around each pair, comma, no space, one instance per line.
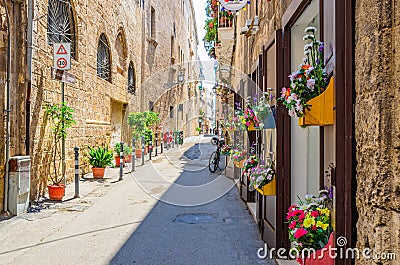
(62,56)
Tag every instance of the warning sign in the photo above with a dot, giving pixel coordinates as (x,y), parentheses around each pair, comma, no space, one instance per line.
(62,56)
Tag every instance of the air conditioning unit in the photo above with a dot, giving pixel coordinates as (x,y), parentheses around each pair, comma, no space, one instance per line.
(19,184)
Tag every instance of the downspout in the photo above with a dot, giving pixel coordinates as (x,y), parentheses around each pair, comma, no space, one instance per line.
(7,110)
(29,75)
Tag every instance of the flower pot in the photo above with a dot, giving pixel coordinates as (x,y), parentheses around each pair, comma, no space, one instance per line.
(268,189)
(322,256)
(321,109)
(128,158)
(56,192)
(98,173)
(239,164)
(269,122)
(117,161)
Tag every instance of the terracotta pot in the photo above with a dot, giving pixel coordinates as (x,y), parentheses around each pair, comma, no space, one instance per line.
(56,192)
(128,158)
(98,173)
(117,161)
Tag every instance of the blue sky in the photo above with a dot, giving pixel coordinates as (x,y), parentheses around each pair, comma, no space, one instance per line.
(199,6)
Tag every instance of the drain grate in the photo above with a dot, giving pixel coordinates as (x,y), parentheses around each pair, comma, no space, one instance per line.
(196,218)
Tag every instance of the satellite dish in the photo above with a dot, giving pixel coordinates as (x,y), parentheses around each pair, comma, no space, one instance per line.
(233,5)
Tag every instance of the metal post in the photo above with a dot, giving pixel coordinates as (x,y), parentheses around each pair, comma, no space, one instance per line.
(173,139)
(150,145)
(162,142)
(142,150)
(76,149)
(121,161)
(156,144)
(63,140)
(133,154)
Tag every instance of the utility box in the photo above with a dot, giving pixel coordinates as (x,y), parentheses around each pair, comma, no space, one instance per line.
(19,184)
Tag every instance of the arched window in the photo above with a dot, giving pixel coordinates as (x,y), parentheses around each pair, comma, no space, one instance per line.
(61,23)
(131,79)
(121,48)
(103,58)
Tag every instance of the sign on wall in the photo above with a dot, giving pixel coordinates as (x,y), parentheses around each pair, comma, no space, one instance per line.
(62,56)
(233,5)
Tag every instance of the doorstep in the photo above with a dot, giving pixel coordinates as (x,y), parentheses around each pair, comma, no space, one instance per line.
(286,262)
(253,209)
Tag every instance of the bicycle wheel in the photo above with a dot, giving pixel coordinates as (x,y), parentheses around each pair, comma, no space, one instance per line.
(213,162)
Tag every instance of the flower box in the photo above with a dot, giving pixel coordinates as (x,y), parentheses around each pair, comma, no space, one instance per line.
(268,189)
(321,109)
(322,256)
(269,122)
(239,164)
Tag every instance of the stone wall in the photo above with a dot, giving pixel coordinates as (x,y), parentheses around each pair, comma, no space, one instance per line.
(377,123)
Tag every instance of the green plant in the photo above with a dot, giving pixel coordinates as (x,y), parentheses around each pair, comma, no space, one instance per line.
(148,135)
(142,122)
(61,118)
(198,129)
(127,149)
(100,157)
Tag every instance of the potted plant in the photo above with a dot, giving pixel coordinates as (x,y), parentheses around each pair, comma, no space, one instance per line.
(310,228)
(127,154)
(238,156)
(142,124)
(198,130)
(99,158)
(61,118)
(263,110)
(226,150)
(262,178)
(309,81)
(249,163)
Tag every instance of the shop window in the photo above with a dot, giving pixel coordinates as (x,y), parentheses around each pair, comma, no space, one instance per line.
(61,23)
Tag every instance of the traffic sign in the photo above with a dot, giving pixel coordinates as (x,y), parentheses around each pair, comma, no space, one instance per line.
(233,5)
(63,76)
(62,56)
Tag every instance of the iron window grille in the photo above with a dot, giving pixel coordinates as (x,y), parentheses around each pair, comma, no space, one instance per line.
(103,58)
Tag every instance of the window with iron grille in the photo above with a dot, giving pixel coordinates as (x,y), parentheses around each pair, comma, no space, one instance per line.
(152,23)
(61,23)
(131,79)
(103,58)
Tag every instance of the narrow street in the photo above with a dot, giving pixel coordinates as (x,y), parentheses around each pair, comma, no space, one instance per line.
(141,220)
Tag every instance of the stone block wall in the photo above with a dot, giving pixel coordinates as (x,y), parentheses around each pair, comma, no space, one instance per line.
(91,96)
(377,123)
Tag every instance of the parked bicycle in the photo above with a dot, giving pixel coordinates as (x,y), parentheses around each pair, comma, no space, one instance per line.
(216,158)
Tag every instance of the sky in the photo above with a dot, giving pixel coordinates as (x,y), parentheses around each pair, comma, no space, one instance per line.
(200,13)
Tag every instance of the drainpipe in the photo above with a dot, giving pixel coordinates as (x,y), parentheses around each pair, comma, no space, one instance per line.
(7,110)
(29,75)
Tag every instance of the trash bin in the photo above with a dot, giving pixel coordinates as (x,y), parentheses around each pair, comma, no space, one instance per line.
(180,137)
(19,184)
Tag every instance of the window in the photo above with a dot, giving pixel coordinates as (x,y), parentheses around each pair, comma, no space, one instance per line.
(61,23)
(131,79)
(121,47)
(151,105)
(171,112)
(153,23)
(172,50)
(103,58)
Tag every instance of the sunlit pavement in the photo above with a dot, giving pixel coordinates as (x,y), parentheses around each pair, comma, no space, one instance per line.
(140,220)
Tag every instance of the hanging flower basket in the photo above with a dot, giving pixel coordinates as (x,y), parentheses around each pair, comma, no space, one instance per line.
(321,109)
(268,189)
(269,122)
(251,127)
(239,164)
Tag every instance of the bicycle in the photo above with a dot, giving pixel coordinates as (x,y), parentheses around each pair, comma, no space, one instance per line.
(215,158)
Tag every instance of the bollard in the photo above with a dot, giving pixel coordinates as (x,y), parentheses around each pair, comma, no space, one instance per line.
(150,146)
(162,142)
(76,149)
(121,161)
(142,150)
(133,154)
(156,144)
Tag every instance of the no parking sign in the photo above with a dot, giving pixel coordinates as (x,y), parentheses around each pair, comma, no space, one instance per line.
(62,56)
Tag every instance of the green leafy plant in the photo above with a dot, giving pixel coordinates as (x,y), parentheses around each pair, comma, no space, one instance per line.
(100,157)
(148,135)
(142,123)
(198,129)
(127,149)
(61,118)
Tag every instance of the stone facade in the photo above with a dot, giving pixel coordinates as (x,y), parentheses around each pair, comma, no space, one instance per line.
(100,106)
(16,11)
(377,123)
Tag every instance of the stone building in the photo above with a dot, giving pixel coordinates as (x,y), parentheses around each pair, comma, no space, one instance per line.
(116,46)
(357,155)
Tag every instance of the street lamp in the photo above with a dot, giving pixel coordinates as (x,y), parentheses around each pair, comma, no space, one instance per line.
(181,77)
